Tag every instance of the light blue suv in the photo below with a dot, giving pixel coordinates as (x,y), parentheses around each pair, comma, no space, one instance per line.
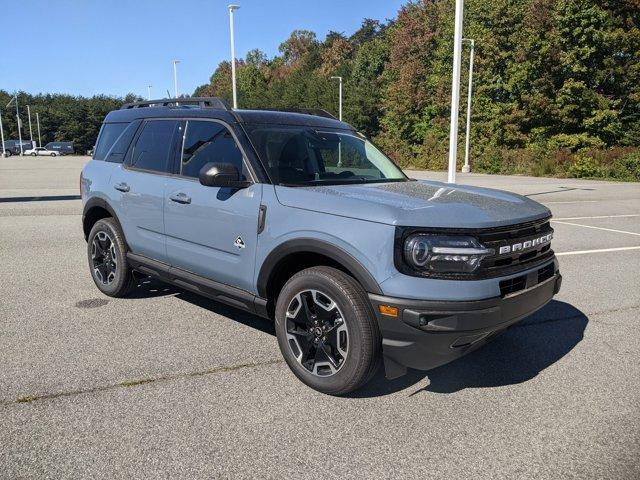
(298,218)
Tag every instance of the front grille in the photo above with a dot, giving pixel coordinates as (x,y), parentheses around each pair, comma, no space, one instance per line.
(500,264)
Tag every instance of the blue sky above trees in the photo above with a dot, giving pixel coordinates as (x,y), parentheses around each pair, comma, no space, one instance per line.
(88,47)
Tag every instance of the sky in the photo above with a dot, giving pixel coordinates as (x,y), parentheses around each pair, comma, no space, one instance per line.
(115,47)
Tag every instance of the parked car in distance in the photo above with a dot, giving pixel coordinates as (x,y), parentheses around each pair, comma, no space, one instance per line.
(41,151)
(300,219)
(63,148)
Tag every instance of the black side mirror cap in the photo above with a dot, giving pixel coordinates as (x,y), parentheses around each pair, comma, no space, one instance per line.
(221,175)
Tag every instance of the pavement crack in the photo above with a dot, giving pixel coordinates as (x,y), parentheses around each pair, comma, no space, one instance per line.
(137,382)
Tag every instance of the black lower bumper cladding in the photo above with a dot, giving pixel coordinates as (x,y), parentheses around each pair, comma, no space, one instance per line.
(427,334)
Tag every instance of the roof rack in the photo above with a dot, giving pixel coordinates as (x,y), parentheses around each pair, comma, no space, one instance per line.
(202,102)
(318,112)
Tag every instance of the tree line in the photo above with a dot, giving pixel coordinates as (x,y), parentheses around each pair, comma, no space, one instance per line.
(65,118)
(556,84)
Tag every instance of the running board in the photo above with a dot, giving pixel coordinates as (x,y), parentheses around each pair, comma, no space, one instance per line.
(220,292)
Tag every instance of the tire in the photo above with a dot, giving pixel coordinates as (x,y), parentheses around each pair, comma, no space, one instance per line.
(351,353)
(115,279)
(33,154)
(53,154)
(8,153)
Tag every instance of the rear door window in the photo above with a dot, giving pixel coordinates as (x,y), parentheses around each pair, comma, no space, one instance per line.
(154,146)
(206,142)
(109,133)
(120,147)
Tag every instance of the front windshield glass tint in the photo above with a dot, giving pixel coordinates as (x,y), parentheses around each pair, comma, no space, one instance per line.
(296,155)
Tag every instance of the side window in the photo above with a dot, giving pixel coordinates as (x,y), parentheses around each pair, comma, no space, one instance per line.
(206,142)
(120,147)
(109,133)
(153,147)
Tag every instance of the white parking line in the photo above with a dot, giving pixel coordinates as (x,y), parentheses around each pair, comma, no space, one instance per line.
(598,216)
(602,250)
(597,228)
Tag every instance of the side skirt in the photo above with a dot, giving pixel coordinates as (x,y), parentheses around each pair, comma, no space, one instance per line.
(195,283)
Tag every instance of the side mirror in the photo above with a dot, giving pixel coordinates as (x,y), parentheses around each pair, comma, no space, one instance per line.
(221,175)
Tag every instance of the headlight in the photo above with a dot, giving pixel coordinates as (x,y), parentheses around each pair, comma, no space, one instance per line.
(444,253)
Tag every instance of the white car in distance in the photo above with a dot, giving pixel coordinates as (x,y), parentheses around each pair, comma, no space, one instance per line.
(41,151)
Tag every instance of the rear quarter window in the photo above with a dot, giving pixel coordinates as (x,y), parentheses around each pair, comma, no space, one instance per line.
(109,133)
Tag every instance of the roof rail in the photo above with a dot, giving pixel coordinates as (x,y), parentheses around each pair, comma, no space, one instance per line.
(318,112)
(202,102)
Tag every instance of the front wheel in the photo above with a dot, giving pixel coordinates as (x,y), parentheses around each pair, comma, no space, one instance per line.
(327,331)
(53,154)
(107,254)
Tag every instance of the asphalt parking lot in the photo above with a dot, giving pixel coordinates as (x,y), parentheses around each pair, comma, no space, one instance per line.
(165,384)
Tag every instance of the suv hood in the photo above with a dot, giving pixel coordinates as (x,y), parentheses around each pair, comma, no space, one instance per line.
(416,204)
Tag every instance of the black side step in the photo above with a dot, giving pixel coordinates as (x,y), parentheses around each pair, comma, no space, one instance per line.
(220,292)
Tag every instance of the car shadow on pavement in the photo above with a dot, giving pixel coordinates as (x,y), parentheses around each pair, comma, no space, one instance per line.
(148,287)
(516,356)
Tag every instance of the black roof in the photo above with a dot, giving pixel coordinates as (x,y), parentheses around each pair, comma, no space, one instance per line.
(216,108)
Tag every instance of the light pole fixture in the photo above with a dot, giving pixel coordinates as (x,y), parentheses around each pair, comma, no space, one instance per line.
(175,77)
(149,92)
(233,8)
(339,96)
(466,168)
(455,92)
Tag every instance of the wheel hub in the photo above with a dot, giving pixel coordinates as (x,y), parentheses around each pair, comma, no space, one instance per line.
(316,333)
(103,258)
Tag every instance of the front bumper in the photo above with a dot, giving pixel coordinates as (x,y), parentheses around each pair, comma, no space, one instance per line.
(427,334)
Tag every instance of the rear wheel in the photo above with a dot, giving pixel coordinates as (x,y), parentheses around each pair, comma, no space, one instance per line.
(327,331)
(33,154)
(107,254)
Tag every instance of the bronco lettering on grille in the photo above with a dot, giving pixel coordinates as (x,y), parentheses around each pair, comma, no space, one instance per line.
(522,246)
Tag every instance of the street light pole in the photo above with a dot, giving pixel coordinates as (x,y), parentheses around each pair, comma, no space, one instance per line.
(149,92)
(30,129)
(466,168)
(339,96)
(455,92)
(233,8)
(2,135)
(19,132)
(175,77)
(38,122)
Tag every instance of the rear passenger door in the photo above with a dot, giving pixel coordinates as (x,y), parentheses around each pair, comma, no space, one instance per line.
(212,231)
(140,186)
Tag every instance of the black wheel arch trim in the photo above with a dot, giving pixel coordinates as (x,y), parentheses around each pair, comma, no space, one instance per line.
(313,245)
(100,203)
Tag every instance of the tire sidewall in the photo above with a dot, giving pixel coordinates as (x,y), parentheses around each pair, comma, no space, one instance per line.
(339,381)
(122,270)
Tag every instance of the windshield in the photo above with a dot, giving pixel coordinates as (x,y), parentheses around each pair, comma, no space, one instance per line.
(300,156)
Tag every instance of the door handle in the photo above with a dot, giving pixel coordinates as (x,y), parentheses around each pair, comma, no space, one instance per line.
(122,187)
(180,198)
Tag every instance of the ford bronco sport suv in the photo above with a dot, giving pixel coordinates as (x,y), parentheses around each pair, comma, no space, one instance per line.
(298,218)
